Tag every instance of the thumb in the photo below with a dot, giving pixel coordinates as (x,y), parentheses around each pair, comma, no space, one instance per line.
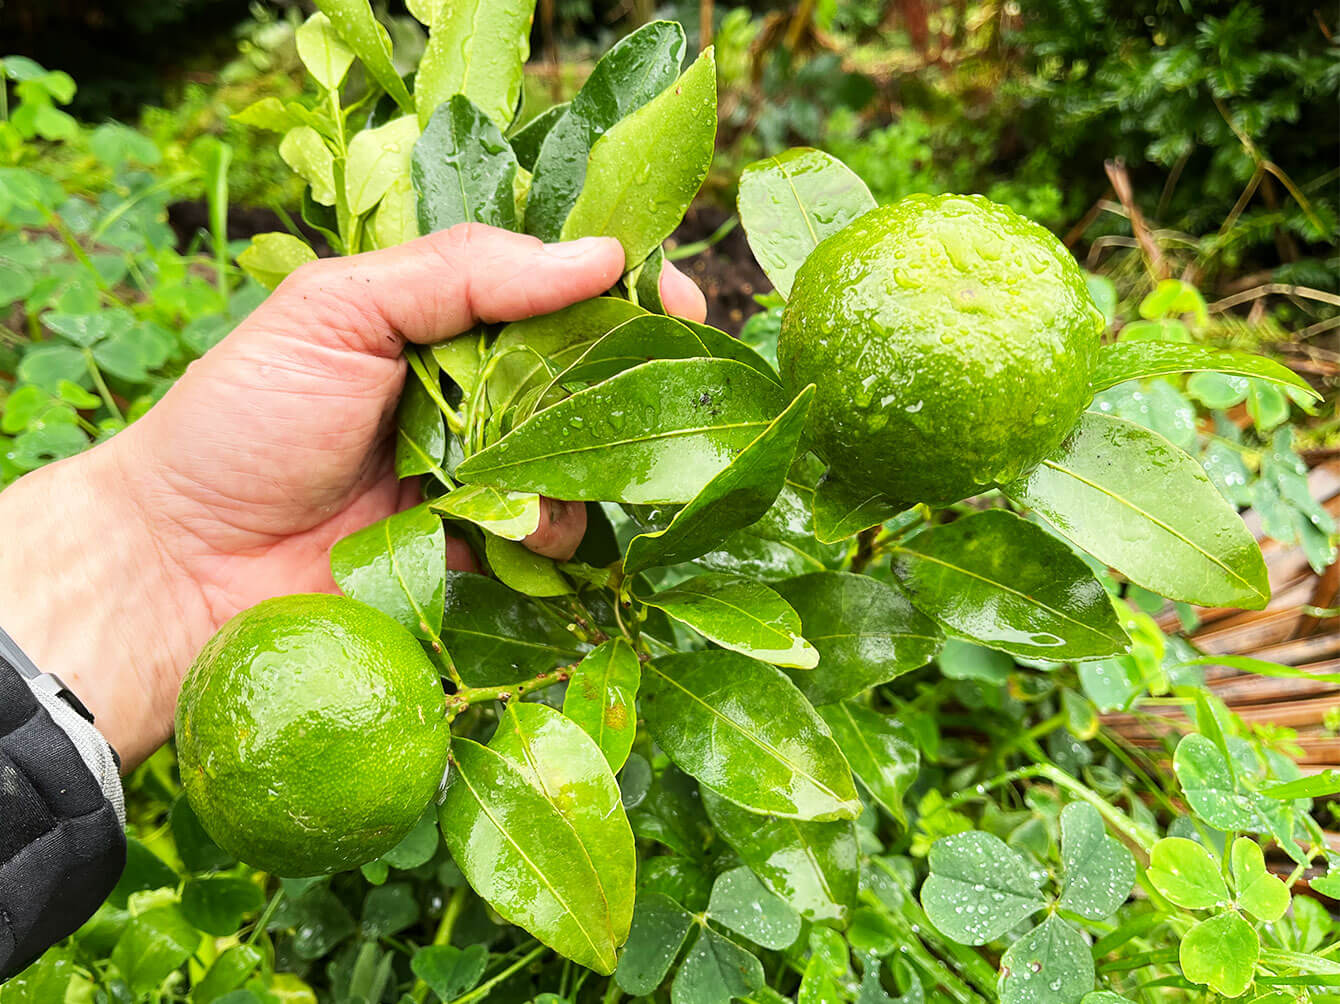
(438,286)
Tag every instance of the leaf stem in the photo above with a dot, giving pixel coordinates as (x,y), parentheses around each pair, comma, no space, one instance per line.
(467,696)
(264,918)
(450,915)
(454,420)
(487,986)
(103,390)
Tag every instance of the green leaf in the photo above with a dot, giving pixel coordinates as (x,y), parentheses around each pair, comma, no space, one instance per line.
(377,159)
(518,355)
(723,346)
(463,170)
(389,909)
(1139,504)
(741,903)
(195,847)
(743,729)
(1124,361)
(525,858)
(602,698)
(655,433)
(396,220)
(1183,871)
(477,49)
(399,566)
(450,971)
(1267,406)
(866,633)
(303,150)
(323,52)
(421,434)
(716,971)
(736,497)
(660,926)
(962,660)
(216,904)
(1259,893)
(1221,953)
(881,750)
(636,341)
(520,568)
(419,845)
(498,636)
(1051,964)
(1214,789)
(1003,582)
(814,867)
(226,973)
(527,140)
(638,67)
(271,257)
(355,24)
(152,946)
(741,615)
(841,512)
(460,359)
(632,192)
(978,887)
(513,515)
(790,202)
(1099,870)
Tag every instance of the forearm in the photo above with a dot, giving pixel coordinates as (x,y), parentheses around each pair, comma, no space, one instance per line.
(87,593)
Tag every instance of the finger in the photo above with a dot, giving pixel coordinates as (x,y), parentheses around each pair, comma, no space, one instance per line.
(562,526)
(681,295)
(443,284)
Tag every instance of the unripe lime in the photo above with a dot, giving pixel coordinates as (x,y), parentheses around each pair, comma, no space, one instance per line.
(951,342)
(311,734)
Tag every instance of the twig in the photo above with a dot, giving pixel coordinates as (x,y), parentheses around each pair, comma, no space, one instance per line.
(1274,288)
(1121,184)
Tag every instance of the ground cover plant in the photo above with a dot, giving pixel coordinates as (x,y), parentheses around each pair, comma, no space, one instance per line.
(776,732)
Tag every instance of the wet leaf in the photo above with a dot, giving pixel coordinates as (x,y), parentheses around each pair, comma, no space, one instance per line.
(520,568)
(497,636)
(227,972)
(152,946)
(355,24)
(740,727)
(1221,953)
(660,926)
(741,615)
(303,150)
(632,192)
(216,904)
(377,159)
(790,202)
(1214,789)
(399,566)
(450,971)
(463,170)
(741,904)
(1001,581)
(419,845)
(513,515)
(476,49)
(563,764)
(814,867)
(655,433)
(1051,964)
(421,433)
(1183,871)
(1099,871)
(841,512)
(1124,361)
(866,633)
(526,141)
(1136,502)
(523,857)
(978,887)
(271,257)
(736,497)
(882,752)
(636,341)
(1259,893)
(635,70)
(323,52)
(715,971)
(602,698)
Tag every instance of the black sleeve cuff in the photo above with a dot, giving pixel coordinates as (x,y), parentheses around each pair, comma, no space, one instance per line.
(62,847)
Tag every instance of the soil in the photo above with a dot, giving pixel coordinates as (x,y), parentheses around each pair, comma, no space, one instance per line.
(726,272)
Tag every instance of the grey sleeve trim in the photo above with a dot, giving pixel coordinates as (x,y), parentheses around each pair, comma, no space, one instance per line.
(93,749)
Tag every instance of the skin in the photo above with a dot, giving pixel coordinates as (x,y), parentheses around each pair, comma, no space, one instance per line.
(120,563)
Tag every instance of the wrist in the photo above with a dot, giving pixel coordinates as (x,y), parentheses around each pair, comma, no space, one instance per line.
(88,593)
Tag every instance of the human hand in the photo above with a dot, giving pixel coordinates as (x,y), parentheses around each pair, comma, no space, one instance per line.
(275,445)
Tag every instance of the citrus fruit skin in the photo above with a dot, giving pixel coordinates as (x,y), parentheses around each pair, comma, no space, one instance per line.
(311,735)
(951,342)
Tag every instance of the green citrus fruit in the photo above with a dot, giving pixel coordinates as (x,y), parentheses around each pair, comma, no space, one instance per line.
(311,734)
(951,342)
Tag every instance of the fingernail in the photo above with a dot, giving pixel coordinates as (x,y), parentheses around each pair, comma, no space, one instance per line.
(576,249)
